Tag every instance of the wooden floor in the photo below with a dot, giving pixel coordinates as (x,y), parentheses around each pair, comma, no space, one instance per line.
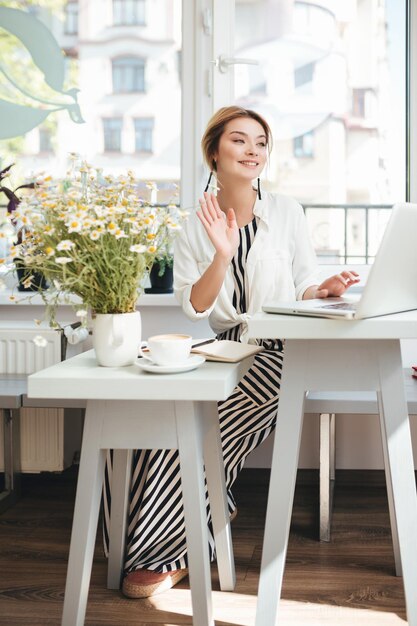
(348,582)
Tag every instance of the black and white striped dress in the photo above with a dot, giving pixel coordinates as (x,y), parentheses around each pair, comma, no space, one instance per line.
(156,530)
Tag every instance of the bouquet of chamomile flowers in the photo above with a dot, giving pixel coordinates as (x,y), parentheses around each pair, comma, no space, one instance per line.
(92,236)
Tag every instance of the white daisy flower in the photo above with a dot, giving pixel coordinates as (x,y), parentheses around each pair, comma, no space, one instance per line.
(62,260)
(74,225)
(66,244)
(120,234)
(138,247)
(94,235)
(40,341)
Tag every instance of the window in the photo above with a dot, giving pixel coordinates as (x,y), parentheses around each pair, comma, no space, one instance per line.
(335,87)
(45,140)
(129,12)
(144,134)
(363,103)
(71,18)
(112,127)
(128,75)
(304,145)
(303,74)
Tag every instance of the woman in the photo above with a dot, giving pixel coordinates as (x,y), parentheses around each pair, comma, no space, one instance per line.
(241,248)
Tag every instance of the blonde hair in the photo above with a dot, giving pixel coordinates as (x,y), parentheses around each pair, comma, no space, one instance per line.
(215,129)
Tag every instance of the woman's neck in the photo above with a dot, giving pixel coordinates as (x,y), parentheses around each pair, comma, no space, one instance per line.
(241,199)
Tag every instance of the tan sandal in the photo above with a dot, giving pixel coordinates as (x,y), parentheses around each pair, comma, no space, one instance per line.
(143,583)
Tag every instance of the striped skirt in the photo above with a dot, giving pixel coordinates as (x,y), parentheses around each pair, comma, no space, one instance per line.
(156,528)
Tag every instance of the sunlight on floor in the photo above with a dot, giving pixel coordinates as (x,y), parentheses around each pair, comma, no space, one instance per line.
(239,609)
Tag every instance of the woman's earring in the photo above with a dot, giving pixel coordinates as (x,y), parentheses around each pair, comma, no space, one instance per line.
(212,186)
(208,182)
(259,189)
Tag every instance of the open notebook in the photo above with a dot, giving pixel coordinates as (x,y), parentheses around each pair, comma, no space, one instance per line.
(226,351)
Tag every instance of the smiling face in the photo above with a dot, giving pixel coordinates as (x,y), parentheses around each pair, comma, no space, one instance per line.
(242,150)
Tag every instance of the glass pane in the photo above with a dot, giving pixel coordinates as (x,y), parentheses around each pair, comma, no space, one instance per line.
(330,80)
(62,103)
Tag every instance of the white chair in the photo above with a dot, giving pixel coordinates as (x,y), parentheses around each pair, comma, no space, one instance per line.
(328,405)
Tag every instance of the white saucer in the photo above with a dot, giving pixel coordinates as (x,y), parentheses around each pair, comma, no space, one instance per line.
(193,361)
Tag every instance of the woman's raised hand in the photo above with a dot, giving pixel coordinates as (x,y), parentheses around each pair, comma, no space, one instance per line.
(222,229)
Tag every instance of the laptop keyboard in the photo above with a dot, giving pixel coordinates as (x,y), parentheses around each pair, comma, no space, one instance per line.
(346,306)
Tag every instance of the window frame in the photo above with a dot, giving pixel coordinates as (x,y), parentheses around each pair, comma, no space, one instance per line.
(149,130)
(106,120)
(121,66)
(140,11)
(71,18)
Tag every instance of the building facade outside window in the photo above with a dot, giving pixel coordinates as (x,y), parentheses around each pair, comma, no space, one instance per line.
(71,18)
(128,75)
(144,134)
(112,128)
(129,12)
(334,78)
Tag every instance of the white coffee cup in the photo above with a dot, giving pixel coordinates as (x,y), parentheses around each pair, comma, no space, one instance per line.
(170,349)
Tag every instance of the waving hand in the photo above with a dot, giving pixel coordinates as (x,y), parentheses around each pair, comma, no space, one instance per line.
(221,229)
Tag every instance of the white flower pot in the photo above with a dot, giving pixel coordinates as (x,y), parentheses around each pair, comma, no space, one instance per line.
(116,338)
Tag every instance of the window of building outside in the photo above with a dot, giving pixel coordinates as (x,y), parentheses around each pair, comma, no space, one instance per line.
(45,140)
(144,134)
(303,74)
(112,130)
(128,75)
(129,12)
(304,145)
(333,73)
(71,18)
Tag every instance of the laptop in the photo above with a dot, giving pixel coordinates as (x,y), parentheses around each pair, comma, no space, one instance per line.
(392,282)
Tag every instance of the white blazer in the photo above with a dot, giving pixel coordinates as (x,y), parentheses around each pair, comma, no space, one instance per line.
(281,263)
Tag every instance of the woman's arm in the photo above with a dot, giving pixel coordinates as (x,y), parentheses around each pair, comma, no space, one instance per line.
(223,233)
(207,288)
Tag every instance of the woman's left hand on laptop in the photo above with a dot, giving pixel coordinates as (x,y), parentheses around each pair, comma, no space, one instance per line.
(334,286)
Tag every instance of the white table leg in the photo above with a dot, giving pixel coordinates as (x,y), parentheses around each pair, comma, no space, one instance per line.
(190,447)
(84,527)
(282,483)
(213,457)
(326,472)
(388,480)
(121,475)
(395,429)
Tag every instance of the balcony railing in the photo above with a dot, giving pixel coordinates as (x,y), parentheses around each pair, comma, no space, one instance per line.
(346,233)
(342,233)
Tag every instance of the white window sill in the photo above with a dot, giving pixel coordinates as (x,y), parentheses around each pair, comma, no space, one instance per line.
(24,298)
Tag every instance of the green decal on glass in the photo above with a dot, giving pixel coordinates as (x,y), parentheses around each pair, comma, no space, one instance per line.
(32,75)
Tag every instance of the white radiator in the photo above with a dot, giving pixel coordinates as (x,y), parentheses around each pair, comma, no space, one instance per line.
(41,430)
(20,355)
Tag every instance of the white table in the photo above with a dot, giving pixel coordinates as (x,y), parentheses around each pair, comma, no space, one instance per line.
(338,355)
(129,409)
